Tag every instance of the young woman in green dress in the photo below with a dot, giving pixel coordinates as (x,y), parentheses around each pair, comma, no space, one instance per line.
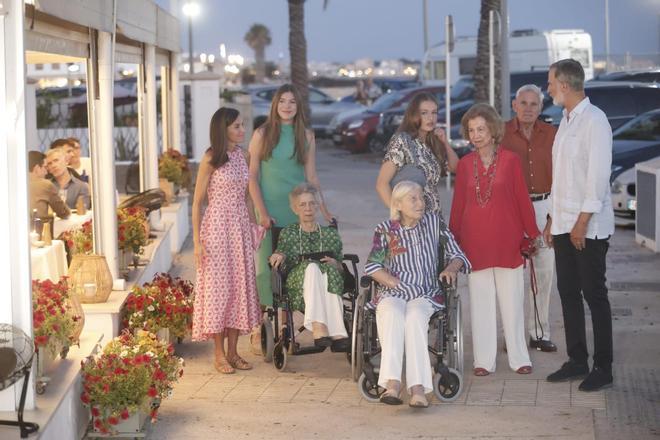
(314,283)
(282,155)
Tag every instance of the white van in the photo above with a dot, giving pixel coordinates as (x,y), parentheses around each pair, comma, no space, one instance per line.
(529,49)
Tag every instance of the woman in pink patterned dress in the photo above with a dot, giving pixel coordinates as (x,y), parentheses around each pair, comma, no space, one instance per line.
(226,301)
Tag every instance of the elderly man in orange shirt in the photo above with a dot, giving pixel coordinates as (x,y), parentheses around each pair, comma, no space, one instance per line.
(531,139)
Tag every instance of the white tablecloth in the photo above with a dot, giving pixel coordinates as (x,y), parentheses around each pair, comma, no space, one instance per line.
(49,262)
(74,221)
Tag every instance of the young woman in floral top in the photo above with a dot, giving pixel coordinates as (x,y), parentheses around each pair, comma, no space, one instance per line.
(313,285)
(404,262)
(420,145)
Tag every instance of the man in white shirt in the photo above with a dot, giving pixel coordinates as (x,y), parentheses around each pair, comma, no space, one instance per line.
(580,222)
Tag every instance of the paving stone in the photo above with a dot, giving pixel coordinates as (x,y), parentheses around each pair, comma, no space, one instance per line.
(346,392)
(317,389)
(594,399)
(282,389)
(218,387)
(249,389)
(485,392)
(554,394)
(519,392)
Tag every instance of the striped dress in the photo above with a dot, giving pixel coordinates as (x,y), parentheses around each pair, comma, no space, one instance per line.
(411,255)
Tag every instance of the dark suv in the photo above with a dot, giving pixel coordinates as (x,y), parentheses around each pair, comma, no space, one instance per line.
(621,101)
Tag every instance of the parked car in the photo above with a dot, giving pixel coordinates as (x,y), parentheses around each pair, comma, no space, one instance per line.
(322,106)
(621,101)
(463,90)
(635,141)
(391,119)
(358,131)
(646,76)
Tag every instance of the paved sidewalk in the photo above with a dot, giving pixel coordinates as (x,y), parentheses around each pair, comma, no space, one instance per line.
(316,399)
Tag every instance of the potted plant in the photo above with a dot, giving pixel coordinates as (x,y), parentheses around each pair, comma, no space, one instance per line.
(57,324)
(164,306)
(79,240)
(133,232)
(170,176)
(123,386)
(182,161)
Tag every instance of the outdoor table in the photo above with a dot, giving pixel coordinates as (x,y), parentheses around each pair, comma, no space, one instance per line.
(74,221)
(49,262)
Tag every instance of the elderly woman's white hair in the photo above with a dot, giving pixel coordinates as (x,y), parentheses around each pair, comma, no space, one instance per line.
(531,88)
(399,191)
(303,188)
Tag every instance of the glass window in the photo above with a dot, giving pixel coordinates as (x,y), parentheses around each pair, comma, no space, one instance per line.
(614,102)
(386,101)
(316,97)
(642,128)
(55,66)
(39,67)
(466,65)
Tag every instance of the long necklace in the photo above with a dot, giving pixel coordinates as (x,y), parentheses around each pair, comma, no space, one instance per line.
(300,246)
(490,171)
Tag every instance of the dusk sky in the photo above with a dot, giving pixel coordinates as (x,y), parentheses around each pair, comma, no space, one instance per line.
(381,29)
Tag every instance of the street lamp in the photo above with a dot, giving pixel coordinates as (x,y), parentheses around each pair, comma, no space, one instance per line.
(190,9)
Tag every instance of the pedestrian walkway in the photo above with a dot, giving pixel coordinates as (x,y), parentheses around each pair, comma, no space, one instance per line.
(316,399)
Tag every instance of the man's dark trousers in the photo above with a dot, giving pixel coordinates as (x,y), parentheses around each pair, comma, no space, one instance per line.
(583,273)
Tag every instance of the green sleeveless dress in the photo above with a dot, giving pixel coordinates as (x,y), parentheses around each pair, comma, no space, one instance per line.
(278,176)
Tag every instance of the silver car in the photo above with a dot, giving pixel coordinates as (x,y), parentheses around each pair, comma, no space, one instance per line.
(323,107)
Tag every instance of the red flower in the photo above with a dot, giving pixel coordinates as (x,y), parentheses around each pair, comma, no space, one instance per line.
(124,414)
(152,392)
(85,398)
(97,424)
(159,375)
(113,420)
(95,411)
(41,340)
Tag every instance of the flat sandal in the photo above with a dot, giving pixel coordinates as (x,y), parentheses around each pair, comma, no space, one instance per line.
(224,366)
(239,363)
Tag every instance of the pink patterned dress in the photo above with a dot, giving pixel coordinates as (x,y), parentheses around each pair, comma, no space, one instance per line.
(226,292)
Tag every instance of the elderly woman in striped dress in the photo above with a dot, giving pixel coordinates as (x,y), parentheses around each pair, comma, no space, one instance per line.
(404,263)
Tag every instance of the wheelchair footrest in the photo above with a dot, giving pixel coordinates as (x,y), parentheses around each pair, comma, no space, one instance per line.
(309,350)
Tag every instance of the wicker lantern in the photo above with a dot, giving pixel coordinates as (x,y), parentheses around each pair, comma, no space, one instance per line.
(90,278)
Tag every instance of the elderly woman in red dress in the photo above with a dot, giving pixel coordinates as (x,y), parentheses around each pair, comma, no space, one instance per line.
(491,216)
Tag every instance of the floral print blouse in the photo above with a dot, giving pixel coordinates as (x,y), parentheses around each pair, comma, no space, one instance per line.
(404,150)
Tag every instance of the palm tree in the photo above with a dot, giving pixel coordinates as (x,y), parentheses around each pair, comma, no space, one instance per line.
(298,50)
(258,37)
(481,69)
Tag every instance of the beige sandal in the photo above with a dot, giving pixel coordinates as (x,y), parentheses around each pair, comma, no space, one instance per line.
(224,366)
(239,363)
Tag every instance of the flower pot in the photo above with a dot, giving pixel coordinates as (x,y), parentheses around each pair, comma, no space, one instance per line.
(46,363)
(165,335)
(135,423)
(125,259)
(168,189)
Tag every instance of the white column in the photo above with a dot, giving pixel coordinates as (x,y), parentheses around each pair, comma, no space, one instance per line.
(165,107)
(103,155)
(15,300)
(174,121)
(205,101)
(149,147)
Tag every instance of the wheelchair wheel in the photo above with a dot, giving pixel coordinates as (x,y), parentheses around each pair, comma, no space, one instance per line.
(280,356)
(267,340)
(357,342)
(370,392)
(447,387)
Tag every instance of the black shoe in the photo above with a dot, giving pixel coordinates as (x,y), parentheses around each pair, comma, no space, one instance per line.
(340,345)
(569,371)
(542,345)
(598,379)
(325,341)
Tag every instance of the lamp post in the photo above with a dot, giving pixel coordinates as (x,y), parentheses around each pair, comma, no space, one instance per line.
(190,9)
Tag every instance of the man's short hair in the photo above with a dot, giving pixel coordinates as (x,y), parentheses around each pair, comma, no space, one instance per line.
(55,152)
(531,88)
(58,143)
(571,72)
(35,158)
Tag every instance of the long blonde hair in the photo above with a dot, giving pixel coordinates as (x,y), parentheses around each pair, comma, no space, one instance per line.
(272,127)
(412,121)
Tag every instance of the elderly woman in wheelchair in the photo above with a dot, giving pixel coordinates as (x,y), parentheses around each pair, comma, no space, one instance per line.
(404,262)
(311,256)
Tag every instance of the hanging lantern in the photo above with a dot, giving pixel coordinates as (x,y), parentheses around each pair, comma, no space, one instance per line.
(90,278)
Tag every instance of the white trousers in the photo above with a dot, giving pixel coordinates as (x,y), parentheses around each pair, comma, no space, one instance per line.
(320,305)
(402,325)
(508,286)
(544,267)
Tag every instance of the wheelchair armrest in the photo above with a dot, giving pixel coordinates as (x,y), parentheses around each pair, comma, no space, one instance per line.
(366,281)
(352,258)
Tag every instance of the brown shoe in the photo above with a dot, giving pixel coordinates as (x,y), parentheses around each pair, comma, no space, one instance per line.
(542,345)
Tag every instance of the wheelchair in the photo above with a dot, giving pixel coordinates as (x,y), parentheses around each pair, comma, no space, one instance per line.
(277,346)
(445,344)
